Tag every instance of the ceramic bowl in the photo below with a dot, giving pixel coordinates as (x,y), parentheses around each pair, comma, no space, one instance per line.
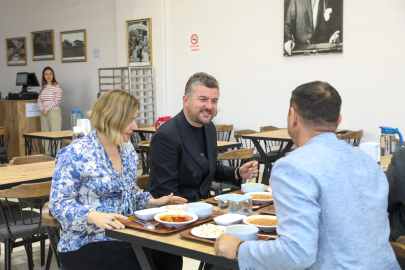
(176,224)
(252,187)
(261,228)
(243,232)
(257,201)
(229,219)
(148,214)
(202,210)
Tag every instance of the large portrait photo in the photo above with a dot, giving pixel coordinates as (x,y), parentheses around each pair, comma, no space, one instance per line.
(313,27)
(43,45)
(16,51)
(139,43)
(73,46)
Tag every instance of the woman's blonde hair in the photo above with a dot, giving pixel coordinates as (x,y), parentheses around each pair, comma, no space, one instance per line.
(112,112)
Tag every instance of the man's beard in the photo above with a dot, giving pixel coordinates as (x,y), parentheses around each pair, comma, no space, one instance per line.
(197,119)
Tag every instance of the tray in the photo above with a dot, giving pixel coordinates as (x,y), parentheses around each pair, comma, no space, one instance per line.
(187,234)
(162,229)
(254,206)
(268,210)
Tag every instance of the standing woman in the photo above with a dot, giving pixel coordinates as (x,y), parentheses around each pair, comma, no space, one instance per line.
(48,102)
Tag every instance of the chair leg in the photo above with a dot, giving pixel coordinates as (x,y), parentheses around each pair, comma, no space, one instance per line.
(30,257)
(49,259)
(42,245)
(7,254)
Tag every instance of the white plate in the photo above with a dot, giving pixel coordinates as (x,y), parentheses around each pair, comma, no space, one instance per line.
(195,232)
(261,228)
(175,224)
(260,201)
(164,206)
(229,219)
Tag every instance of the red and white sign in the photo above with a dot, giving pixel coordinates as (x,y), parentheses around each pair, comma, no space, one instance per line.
(194,42)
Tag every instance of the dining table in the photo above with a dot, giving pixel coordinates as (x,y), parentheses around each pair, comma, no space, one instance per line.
(144,148)
(145,130)
(54,138)
(173,243)
(280,135)
(14,175)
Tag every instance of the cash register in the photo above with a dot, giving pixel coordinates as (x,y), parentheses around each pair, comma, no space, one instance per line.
(26,80)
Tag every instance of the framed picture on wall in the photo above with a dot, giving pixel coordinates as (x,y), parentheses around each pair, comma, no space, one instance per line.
(43,45)
(73,46)
(313,27)
(16,51)
(139,43)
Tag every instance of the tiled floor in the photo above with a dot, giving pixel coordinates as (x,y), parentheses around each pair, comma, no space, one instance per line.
(19,259)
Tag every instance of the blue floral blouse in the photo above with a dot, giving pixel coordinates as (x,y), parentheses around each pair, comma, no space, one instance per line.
(85,180)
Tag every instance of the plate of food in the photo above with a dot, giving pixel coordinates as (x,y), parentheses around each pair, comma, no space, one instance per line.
(260,197)
(174,208)
(176,219)
(208,231)
(262,222)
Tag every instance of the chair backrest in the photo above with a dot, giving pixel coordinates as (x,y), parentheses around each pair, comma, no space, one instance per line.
(339,136)
(66,141)
(268,128)
(224,132)
(246,143)
(353,135)
(238,157)
(142,125)
(30,159)
(4,137)
(143,181)
(399,249)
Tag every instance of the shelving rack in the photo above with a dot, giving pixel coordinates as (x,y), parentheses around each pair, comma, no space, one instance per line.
(138,81)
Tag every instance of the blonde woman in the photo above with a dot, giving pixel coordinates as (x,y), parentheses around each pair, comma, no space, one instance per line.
(94,184)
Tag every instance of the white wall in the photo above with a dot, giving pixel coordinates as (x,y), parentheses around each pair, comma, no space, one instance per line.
(141,9)
(18,18)
(242,47)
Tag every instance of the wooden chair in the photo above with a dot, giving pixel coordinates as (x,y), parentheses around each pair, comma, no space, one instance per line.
(145,157)
(53,228)
(224,132)
(4,138)
(27,224)
(143,181)
(66,142)
(136,139)
(236,158)
(246,143)
(399,250)
(30,159)
(268,128)
(353,135)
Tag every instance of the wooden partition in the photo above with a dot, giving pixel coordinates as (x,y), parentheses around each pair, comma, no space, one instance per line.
(13,116)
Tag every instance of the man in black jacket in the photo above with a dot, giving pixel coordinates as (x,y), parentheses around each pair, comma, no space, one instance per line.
(183,151)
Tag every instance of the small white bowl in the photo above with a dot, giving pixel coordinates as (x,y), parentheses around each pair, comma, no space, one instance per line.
(256,201)
(176,224)
(252,187)
(202,210)
(243,232)
(148,214)
(229,219)
(262,228)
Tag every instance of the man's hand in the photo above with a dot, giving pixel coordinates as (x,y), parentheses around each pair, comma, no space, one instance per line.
(289,46)
(44,112)
(165,200)
(225,246)
(248,168)
(335,38)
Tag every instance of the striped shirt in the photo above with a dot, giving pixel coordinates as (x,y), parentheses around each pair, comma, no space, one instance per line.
(49,97)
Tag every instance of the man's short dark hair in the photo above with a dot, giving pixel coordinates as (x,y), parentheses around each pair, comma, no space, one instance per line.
(200,78)
(317,103)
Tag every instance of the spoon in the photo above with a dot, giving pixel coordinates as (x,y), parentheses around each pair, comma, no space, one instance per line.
(147,225)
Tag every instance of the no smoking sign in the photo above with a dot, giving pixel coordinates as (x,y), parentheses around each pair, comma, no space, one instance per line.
(194,43)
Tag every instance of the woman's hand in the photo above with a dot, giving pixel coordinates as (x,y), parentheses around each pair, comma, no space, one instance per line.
(165,200)
(249,168)
(44,112)
(105,220)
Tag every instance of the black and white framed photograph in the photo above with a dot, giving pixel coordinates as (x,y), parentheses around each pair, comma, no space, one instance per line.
(313,27)
(139,43)
(43,45)
(16,49)
(73,46)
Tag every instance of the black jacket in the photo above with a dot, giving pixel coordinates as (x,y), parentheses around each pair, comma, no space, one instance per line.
(177,165)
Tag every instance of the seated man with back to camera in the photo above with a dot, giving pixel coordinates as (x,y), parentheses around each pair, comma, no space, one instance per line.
(183,151)
(330,198)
